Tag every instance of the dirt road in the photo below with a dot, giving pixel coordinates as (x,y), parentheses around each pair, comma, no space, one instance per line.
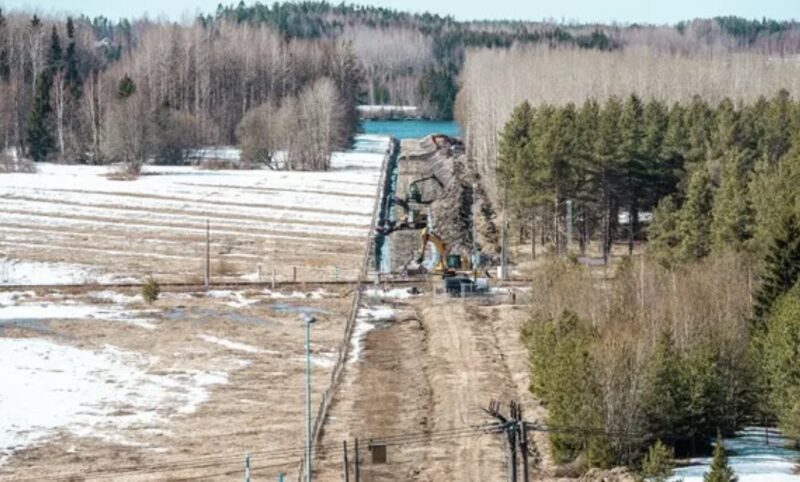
(430,372)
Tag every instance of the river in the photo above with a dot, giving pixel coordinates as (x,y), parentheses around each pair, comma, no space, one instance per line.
(410,129)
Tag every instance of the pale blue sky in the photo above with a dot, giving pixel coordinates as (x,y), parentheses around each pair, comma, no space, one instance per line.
(627,11)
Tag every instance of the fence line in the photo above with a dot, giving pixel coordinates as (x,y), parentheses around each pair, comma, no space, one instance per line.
(344,347)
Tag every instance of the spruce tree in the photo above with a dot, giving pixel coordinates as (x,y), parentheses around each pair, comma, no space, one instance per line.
(694,226)
(659,463)
(666,393)
(720,470)
(662,234)
(780,346)
(782,269)
(40,137)
(732,220)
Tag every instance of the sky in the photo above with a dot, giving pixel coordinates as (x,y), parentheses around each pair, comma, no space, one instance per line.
(622,11)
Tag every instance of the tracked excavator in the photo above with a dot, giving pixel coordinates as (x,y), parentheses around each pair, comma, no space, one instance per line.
(412,219)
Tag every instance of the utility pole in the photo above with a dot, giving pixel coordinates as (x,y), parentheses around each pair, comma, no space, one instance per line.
(504,259)
(516,438)
(208,253)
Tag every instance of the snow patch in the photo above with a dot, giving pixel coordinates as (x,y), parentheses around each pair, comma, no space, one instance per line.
(49,387)
(16,272)
(233,345)
(396,293)
(69,311)
(752,457)
(366,320)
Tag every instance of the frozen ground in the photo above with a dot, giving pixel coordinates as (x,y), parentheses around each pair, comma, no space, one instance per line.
(752,457)
(72,224)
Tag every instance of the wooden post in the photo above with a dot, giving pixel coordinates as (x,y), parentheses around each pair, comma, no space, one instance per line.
(274,279)
(357,464)
(523,448)
(208,253)
(344,461)
(259,273)
(294,273)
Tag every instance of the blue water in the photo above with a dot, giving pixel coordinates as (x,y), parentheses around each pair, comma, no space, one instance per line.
(411,129)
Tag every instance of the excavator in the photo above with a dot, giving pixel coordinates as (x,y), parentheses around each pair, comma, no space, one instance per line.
(428,236)
(412,219)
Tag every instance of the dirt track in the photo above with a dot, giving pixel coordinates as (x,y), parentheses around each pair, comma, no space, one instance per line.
(431,371)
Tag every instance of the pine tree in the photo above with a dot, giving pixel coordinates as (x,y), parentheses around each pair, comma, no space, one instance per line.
(604,171)
(659,463)
(720,470)
(633,163)
(782,269)
(694,226)
(513,148)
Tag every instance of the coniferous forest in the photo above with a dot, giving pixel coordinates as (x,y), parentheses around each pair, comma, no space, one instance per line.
(699,333)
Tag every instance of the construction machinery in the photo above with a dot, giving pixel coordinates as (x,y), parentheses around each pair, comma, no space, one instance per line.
(415,193)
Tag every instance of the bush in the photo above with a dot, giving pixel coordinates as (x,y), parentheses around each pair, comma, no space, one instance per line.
(150,290)
(659,463)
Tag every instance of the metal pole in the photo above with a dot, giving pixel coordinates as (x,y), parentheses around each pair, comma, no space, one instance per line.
(247,468)
(308,398)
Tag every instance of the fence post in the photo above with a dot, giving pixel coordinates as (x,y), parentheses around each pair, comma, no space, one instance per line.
(294,273)
(274,278)
(344,461)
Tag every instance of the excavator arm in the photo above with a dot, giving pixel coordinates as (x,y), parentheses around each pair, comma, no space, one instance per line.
(429,236)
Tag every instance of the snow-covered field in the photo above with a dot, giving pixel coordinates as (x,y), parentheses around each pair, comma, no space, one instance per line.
(81,226)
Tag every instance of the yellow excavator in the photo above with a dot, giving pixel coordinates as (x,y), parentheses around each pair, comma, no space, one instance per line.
(447,264)
(428,236)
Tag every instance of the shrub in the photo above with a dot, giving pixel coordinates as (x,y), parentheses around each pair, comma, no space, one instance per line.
(150,290)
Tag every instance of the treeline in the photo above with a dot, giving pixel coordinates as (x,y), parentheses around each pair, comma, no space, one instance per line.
(410,59)
(495,82)
(165,89)
(700,333)
(711,171)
